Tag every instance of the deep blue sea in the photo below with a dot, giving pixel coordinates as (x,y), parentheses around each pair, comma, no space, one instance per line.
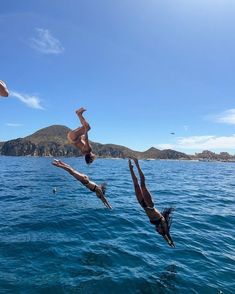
(69,242)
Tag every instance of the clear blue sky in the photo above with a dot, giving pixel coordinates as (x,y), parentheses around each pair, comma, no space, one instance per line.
(143,69)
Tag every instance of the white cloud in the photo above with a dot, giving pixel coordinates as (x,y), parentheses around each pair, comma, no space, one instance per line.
(202,143)
(207,142)
(30,101)
(46,43)
(226,117)
(191,142)
(165,146)
(13,125)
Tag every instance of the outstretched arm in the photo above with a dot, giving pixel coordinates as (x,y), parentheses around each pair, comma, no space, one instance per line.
(105,201)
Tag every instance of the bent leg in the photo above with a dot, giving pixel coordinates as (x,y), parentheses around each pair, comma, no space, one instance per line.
(84,123)
(138,191)
(75,135)
(147,196)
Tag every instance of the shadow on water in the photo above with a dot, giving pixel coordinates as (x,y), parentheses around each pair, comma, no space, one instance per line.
(168,278)
(152,284)
(159,284)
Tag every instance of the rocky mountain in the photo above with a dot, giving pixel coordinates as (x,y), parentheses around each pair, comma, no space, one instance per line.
(207,155)
(52,141)
(56,134)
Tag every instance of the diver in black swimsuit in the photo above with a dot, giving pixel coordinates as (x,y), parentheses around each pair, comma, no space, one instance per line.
(162,221)
(98,189)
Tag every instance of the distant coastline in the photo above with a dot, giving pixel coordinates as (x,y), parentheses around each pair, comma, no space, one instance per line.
(52,142)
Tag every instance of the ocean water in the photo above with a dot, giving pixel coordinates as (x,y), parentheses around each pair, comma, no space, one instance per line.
(69,242)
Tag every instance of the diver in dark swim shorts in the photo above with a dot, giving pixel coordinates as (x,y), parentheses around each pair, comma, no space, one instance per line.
(98,189)
(161,221)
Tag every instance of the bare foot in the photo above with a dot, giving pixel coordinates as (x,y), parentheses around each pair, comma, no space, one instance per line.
(58,163)
(130,163)
(55,162)
(134,159)
(80,110)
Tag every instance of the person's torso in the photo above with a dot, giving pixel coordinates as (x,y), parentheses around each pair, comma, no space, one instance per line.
(85,148)
(152,213)
(91,186)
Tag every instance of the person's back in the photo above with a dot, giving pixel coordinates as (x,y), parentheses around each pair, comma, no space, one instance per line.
(152,213)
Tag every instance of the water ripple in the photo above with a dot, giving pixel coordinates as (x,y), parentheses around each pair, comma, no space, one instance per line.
(69,243)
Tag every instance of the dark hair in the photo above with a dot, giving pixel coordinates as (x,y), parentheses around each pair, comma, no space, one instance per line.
(89,158)
(103,188)
(167,213)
